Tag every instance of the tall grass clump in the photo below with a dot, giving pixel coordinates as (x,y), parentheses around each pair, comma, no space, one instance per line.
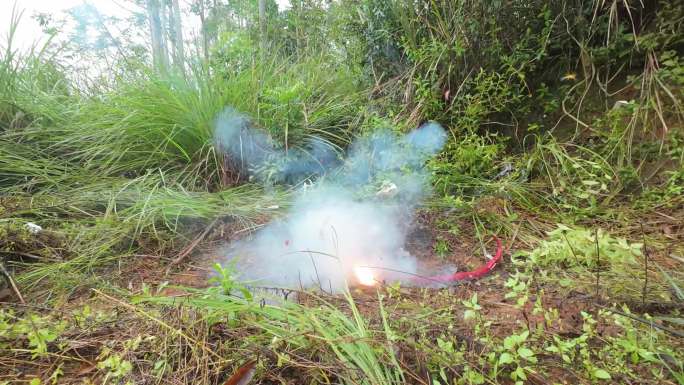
(32,85)
(341,335)
(166,123)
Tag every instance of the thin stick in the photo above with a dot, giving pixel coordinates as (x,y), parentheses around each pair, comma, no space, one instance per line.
(572,250)
(188,249)
(311,252)
(644,321)
(11,282)
(676,258)
(27,255)
(318,278)
(643,290)
(598,263)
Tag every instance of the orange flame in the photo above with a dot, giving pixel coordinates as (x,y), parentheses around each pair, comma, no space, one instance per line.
(365,276)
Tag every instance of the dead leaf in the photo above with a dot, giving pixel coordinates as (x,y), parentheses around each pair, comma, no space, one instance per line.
(243,375)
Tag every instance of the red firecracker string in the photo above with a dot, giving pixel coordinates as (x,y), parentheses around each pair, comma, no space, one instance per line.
(473,274)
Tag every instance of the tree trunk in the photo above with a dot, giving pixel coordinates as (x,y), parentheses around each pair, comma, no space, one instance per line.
(205,38)
(262,27)
(157,38)
(178,51)
(164,21)
(297,8)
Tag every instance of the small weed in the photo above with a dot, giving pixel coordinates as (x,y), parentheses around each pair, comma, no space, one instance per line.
(517,284)
(442,248)
(115,367)
(472,308)
(33,330)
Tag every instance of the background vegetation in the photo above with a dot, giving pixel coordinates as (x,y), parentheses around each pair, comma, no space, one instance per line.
(565,122)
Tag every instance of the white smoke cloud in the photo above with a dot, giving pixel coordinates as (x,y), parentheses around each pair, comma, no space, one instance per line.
(354,215)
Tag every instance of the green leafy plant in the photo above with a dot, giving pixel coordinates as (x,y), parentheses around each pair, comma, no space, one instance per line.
(577,247)
(472,308)
(515,354)
(442,248)
(34,330)
(517,284)
(115,367)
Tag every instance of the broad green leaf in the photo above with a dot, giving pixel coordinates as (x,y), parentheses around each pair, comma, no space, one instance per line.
(505,358)
(601,374)
(520,372)
(509,342)
(525,352)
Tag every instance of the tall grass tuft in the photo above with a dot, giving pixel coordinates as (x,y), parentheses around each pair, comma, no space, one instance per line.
(362,355)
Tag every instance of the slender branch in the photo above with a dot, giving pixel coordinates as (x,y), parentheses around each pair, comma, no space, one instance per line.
(188,249)
(644,288)
(598,262)
(11,283)
(572,250)
(644,321)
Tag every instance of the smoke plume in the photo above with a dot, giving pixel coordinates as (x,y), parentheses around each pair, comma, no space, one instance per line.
(350,216)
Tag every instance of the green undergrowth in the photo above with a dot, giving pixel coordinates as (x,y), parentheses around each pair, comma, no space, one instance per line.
(456,337)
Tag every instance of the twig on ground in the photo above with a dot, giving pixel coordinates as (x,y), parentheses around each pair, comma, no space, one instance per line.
(188,249)
(7,275)
(27,255)
(676,258)
(642,320)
